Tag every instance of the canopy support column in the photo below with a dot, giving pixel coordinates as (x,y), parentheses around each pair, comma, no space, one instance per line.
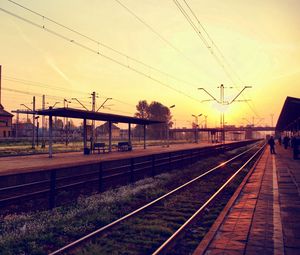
(109,135)
(129,133)
(84,135)
(50,136)
(144,136)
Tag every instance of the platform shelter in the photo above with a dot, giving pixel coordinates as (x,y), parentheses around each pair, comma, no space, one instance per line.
(97,116)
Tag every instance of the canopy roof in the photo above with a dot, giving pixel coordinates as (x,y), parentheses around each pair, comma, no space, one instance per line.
(289,115)
(82,114)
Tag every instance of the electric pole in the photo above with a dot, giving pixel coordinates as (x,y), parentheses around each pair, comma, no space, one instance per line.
(43,122)
(222,102)
(93,121)
(205,122)
(33,123)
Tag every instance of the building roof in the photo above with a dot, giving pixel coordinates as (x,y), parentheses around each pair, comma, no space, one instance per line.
(81,114)
(289,115)
(105,127)
(4,113)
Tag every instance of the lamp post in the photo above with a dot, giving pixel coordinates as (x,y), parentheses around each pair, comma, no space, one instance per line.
(196,128)
(66,103)
(168,130)
(37,130)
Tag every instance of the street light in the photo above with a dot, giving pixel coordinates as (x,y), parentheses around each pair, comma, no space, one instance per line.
(37,130)
(168,130)
(196,128)
(66,121)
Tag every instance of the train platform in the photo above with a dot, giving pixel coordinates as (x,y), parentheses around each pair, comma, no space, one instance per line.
(263,216)
(41,162)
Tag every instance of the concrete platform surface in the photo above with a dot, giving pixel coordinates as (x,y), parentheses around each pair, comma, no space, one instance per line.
(31,163)
(265,217)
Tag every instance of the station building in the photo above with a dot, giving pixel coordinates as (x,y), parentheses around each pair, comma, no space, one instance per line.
(5,123)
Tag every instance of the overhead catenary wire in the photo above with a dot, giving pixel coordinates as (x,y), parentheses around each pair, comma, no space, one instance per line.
(98,43)
(167,42)
(40,84)
(203,39)
(52,97)
(43,27)
(210,45)
(212,41)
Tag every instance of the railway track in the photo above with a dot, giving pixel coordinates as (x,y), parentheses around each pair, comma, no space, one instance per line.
(157,226)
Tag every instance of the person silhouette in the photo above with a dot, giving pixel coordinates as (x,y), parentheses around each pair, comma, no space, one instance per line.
(271,142)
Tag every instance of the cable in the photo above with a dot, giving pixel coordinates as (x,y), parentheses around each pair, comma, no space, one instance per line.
(210,46)
(97,52)
(252,107)
(98,43)
(154,31)
(39,84)
(199,34)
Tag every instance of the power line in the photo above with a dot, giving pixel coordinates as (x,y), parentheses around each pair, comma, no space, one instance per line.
(203,39)
(97,52)
(58,98)
(39,84)
(155,32)
(98,43)
(210,45)
(251,106)
(212,41)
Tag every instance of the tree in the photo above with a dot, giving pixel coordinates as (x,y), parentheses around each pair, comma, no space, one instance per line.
(142,110)
(154,111)
(143,113)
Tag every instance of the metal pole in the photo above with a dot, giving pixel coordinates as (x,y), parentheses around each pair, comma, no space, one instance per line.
(17,125)
(37,133)
(129,133)
(33,123)
(43,123)
(109,135)
(50,135)
(93,121)
(168,136)
(84,134)
(144,136)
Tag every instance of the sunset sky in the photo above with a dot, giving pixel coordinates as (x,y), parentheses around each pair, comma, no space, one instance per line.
(259,43)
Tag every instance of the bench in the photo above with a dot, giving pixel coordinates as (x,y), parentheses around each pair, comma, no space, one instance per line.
(100,147)
(124,146)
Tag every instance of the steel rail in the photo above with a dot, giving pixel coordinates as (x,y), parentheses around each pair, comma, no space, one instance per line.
(98,231)
(171,239)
